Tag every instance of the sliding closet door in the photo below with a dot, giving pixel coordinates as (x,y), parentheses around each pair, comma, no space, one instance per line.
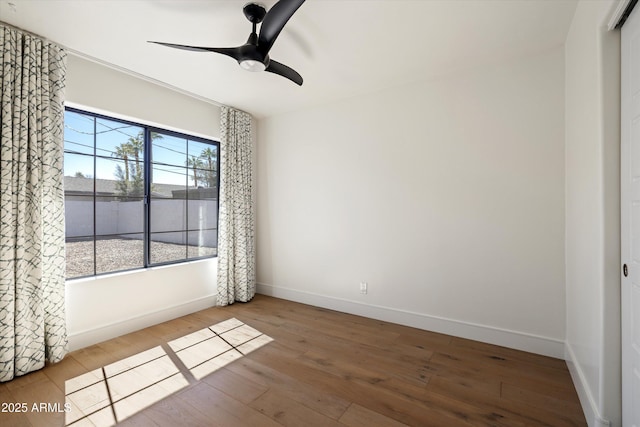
(630,199)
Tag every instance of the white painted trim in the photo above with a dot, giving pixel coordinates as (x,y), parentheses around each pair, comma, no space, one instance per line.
(589,407)
(105,332)
(492,335)
(617,14)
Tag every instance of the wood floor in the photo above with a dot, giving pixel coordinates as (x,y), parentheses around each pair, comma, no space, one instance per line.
(325,368)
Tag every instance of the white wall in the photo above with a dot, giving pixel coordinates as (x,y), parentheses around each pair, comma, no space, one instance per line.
(107,306)
(99,87)
(592,211)
(104,307)
(446,196)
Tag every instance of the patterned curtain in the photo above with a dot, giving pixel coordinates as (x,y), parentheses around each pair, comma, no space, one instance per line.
(32,316)
(236,247)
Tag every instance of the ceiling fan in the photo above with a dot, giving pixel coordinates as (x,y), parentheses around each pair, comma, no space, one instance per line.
(254,54)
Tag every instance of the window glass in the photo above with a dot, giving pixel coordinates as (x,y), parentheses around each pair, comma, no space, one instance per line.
(117,217)
(168,247)
(119,252)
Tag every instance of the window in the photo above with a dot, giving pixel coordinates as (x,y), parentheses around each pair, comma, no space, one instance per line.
(135,195)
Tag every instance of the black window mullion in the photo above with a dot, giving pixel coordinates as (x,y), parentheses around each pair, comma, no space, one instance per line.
(147,197)
(95,188)
(186,205)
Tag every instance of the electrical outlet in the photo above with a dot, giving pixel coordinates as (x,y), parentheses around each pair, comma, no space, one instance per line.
(364,287)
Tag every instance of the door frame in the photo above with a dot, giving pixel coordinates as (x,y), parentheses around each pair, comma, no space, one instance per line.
(622,12)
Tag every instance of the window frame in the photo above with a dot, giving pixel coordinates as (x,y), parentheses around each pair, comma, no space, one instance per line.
(147,198)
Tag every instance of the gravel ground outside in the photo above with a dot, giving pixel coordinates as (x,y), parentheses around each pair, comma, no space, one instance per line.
(124,254)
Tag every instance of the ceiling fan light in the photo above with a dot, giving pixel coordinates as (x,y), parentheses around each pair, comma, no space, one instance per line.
(252,65)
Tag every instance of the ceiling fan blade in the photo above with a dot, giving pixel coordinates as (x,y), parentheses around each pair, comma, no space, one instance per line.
(275,21)
(284,71)
(233,52)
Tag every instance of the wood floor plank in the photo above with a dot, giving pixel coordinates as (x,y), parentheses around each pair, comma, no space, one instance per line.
(538,359)
(388,358)
(11,415)
(44,400)
(223,410)
(381,375)
(289,412)
(296,342)
(176,411)
(14,420)
(359,416)
(294,389)
(175,328)
(502,367)
(515,412)
(480,387)
(482,395)
(403,362)
(365,394)
(240,388)
(346,330)
(26,380)
(421,396)
(558,404)
(322,367)
(138,420)
(60,372)
(93,357)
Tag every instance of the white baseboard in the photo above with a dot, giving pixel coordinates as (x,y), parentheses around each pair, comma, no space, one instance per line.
(92,336)
(589,407)
(503,337)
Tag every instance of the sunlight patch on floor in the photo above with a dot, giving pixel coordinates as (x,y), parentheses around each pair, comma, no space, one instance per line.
(108,395)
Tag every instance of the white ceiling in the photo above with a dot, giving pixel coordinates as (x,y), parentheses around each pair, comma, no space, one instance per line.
(342,48)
